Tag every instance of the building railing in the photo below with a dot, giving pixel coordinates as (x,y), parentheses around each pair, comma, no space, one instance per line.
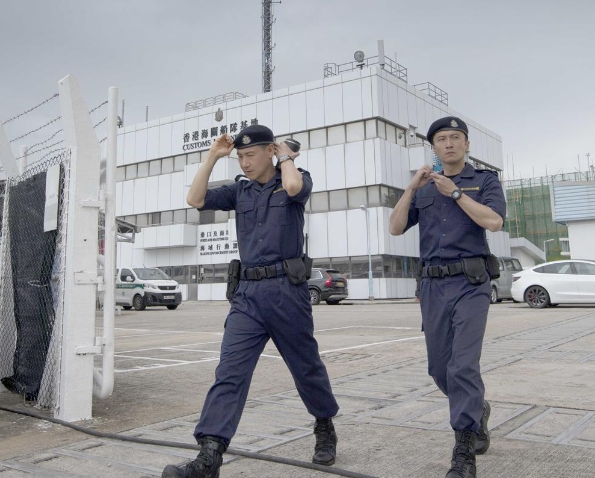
(391,66)
(214,100)
(433,91)
(547,180)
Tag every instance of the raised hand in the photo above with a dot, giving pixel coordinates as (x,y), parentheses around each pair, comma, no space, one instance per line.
(222,146)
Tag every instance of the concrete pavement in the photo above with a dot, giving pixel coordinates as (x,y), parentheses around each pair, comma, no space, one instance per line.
(538,366)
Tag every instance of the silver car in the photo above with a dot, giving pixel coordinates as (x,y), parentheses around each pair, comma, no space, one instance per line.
(501,286)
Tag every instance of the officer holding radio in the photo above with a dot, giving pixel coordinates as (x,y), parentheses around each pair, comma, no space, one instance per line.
(268,292)
(453,209)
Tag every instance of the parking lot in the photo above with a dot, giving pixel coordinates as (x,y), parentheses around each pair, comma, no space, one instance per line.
(538,367)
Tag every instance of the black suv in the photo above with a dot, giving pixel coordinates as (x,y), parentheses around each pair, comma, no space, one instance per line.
(328,285)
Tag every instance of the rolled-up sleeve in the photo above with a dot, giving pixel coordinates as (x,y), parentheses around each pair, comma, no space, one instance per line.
(222,198)
(413,215)
(303,196)
(492,195)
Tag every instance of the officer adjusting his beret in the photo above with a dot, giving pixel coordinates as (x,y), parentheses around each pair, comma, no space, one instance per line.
(271,301)
(453,209)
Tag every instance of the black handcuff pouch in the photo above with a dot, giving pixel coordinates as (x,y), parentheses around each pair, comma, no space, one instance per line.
(298,269)
(474,269)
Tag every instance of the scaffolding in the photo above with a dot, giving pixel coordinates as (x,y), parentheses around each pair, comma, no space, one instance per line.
(530,210)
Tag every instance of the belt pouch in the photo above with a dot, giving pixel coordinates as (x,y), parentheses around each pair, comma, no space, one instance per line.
(493,266)
(474,269)
(234,273)
(296,270)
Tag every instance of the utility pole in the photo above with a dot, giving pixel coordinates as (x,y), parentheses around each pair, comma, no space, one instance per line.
(267,45)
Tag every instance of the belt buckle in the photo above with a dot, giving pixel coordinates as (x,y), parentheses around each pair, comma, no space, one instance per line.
(435,271)
(261,272)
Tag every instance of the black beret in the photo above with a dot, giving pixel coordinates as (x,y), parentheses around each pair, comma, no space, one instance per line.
(253,135)
(447,123)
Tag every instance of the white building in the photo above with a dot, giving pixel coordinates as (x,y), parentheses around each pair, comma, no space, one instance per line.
(362,135)
(573,204)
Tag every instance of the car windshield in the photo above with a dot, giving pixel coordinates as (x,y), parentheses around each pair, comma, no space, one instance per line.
(151,274)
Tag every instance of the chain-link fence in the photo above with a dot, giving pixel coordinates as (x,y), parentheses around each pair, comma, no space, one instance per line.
(32,284)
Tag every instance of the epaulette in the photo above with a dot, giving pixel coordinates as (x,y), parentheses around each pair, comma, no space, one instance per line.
(486,171)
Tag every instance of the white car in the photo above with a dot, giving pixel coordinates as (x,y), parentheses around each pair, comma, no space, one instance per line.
(142,287)
(553,283)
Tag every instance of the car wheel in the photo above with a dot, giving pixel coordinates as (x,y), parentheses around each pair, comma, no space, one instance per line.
(314,297)
(127,307)
(139,302)
(494,296)
(172,307)
(537,297)
(332,302)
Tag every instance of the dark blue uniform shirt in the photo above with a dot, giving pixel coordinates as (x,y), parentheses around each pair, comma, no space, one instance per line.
(269,222)
(446,232)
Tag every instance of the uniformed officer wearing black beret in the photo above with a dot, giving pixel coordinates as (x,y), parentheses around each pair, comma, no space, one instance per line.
(269,206)
(453,209)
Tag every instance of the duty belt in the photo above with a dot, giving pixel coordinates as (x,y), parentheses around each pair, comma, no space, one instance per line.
(262,272)
(447,270)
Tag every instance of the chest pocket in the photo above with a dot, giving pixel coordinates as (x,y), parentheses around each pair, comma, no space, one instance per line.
(423,205)
(279,209)
(246,215)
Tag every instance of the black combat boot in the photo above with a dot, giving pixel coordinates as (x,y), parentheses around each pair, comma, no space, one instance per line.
(326,442)
(483,436)
(463,456)
(206,464)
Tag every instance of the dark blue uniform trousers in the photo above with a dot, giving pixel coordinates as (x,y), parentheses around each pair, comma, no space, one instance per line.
(270,308)
(454,316)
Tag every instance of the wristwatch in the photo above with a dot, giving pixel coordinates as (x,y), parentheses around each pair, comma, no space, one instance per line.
(456,194)
(285,157)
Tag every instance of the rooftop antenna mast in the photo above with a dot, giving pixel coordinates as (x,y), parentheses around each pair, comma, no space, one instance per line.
(267,45)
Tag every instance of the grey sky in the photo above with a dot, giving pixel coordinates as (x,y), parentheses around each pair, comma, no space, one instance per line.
(523,68)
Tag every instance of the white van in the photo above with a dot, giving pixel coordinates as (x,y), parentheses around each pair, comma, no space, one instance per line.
(142,287)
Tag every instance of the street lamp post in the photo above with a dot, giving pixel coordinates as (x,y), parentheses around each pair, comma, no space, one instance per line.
(545,249)
(370,283)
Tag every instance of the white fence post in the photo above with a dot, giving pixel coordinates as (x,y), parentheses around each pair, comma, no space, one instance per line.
(6,156)
(78,347)
(105,380)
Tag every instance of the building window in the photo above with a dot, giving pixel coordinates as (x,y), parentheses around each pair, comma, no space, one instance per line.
(374,196)
(131,171)
(167,217)
(155,218)
(357,197)
(121,174)
(207,217)
(155,167)
(180,216)
(179,163)
(382,129)
(336,135)
(319,202)
(303,139)
(142,220)
(356,132)
(192,216)
(338,200)
(341,264)
(318,138)
(371,129)
(143,170)
(167,165)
